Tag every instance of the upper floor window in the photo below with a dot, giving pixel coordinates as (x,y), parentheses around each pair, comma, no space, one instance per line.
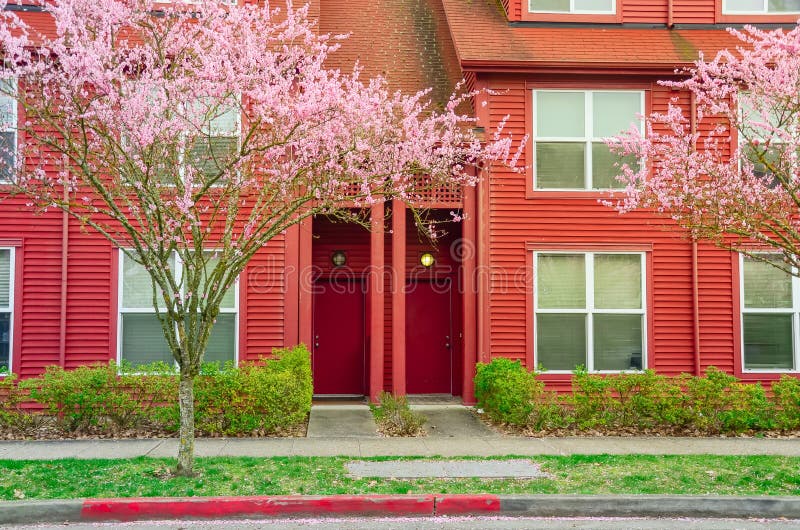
(8,130)
(588,7)
(760,7)
(141,339)
(770,313)
(589,311)
(213,149)
(760,140)
(569,130)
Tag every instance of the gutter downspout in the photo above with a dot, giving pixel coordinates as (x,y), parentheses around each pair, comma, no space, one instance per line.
(670,16)
(695,280)
(62,339)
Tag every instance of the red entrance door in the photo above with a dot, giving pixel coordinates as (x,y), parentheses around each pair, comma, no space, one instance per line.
(337,362)
(429,352)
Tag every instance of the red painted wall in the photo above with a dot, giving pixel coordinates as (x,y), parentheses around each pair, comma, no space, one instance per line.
(519,217)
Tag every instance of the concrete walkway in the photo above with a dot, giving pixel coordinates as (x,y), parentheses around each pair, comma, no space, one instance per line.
(427,446)
(348,430)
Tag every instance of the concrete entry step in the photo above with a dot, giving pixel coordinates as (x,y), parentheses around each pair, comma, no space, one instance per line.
(453,421)
(341,421)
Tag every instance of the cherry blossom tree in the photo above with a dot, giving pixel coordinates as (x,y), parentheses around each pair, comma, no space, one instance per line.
(731,173)
(204,130)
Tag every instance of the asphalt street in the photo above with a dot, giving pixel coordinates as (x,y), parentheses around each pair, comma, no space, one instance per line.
(448,523)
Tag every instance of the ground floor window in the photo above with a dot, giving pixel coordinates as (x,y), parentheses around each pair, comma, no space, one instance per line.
(770,308)
(6,307)
(589,311)
(141,338)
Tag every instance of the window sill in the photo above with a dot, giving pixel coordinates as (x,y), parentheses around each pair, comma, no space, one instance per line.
(610,18)
(758,18)
(572,194)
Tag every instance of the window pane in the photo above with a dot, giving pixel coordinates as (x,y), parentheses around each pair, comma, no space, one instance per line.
(222,342)
(229,300)
(614,112)
(594,5)
(617,281)
(768,341)
(5,341)
(560,114)
(560,341)
(561,281)
(744,5)
(8,150)
(617,342)
(8,107)
(550,5)
(766,286)
(760,158)
(560,165)
(211,155)
(143,340)
(5,278)
(137,290)
(226,121)
(783,6)
(607,165)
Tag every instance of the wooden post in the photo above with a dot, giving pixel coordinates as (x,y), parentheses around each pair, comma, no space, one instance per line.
(376,278)
(305,288)
(470,293)
(398,298)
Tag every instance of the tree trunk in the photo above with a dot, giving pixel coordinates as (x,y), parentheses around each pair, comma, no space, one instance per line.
(186,442)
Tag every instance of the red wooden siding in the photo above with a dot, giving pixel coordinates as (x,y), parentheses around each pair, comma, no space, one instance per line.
(262,292)
(515,220)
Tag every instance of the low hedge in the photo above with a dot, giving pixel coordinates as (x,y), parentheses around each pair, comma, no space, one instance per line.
(272,396)
(716,403)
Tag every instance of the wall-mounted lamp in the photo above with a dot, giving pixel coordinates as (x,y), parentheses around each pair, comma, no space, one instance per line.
(338,258)
(427,260)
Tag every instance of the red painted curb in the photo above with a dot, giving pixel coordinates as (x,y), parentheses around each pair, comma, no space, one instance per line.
(463,504)
(222,507)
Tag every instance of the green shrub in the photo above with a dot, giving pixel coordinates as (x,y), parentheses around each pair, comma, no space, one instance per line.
(719,403)
(786,394)
(395,418)
(255,398)
(506,391)
(97,397)
(716,403)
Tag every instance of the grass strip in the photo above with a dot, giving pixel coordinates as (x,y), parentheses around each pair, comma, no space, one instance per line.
(584,474)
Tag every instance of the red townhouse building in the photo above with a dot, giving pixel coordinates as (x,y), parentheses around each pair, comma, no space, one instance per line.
(537,269)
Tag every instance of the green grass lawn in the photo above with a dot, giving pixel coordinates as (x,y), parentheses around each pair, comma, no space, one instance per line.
(604,474)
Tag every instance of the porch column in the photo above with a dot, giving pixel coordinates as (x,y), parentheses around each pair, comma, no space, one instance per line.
(470,293)
(291,321)
(398,298)
(376,309)
(305,288)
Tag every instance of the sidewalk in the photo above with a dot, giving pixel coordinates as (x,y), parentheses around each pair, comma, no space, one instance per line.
(372,446)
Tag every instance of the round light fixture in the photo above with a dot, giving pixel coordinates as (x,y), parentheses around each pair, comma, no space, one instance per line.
(427,260)
(338,258)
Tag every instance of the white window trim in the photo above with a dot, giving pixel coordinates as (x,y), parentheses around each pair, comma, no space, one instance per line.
(588,138)
(726,10)
(590,309)
(10,309)
(151,310)
(573,11)
(794,311)
(13,127)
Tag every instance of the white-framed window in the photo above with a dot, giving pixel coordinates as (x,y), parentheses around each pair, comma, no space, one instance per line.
(6,308)
(140,337)
(590,310)
(569,132)
(770,304)
(761,144)
(760,7)
(588,7)
(220,140)
(8,130)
